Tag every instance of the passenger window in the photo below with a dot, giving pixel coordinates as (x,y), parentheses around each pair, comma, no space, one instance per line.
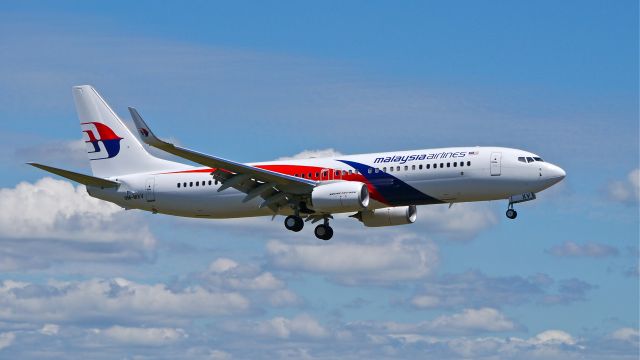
(191,184)
(310,176)
(420,166)
(413,167)
(461,163)
(317,175)
(397,168)
(448,164)
(184,184)
(302,176)
(370,170)
(197,183)
(391,169)
(455,164)
(384,169)
(337,173)
(209,182)
(406,168)
(441,165)
(216,182)
(178,184)
(468,163)
(344,172)
(350,172)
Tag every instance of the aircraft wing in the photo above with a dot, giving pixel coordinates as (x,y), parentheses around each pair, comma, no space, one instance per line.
(253,181)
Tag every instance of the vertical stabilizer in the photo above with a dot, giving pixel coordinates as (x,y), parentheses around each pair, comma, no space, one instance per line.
(112,148)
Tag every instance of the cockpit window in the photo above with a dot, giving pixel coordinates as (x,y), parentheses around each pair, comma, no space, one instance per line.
(538,159)
(529,159)
(521,159)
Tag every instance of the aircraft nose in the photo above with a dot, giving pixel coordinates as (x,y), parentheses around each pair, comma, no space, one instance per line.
(556,173)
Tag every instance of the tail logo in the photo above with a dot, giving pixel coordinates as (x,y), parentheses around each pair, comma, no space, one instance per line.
(106,136)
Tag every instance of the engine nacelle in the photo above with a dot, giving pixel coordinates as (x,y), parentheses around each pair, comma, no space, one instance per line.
(344,196)
(390,216)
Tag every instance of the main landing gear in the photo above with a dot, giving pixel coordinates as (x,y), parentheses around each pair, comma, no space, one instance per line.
(322,231)
(293,223)
(511,213)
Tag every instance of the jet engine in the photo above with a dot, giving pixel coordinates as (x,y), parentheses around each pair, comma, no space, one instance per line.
(344,196)
(399,215)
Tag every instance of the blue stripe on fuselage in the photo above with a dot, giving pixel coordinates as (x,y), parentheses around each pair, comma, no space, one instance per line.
(392,189)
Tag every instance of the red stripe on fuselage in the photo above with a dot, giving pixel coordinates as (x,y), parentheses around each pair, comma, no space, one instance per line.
(315,171)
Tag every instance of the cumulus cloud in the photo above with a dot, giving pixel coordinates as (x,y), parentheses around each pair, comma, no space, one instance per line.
(49,329)
(51,221)
(403,258)
(308,154)
(142,336)
(460,222)
(572,249)
(549,344)
(626,191)
(224,274)
(627,334)
(467,321)
(111,300)
(476,289)
(302,325)
(6,339)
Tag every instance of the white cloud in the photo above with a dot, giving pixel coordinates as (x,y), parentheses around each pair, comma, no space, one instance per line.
(302,325)
(49,329)
(226,273)
(6,339)
(403,258)
(48,215)
(142,336)
(460,222)
(572,249)
(553,337)
(626,191)
(111,300)
(308,154)
(470,320)
(476,289)
(626,334)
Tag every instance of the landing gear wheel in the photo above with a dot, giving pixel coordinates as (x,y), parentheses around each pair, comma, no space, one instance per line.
(512,214)
(323,232)
(293,223)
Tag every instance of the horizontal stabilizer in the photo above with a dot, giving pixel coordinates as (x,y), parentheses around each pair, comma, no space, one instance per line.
(77,177)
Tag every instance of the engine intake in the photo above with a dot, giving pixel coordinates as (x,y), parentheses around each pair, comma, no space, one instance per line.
(390,216)
(344,196)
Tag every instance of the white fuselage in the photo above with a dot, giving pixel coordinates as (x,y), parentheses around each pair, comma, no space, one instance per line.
(419,177)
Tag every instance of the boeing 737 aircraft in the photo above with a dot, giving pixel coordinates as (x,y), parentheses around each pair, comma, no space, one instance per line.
(380,189)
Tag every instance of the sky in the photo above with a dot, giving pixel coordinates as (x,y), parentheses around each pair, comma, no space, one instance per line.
(254,81)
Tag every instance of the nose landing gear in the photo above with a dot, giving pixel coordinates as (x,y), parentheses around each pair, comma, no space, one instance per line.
(511,213)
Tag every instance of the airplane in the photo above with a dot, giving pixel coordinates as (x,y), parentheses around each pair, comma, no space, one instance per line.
(378,189)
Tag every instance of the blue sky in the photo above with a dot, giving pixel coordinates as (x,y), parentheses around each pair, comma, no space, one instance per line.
(258,81)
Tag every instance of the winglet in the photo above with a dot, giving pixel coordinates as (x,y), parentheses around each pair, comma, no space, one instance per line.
(145,132)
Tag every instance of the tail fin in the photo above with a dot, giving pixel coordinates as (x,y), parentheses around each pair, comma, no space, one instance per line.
(112,148)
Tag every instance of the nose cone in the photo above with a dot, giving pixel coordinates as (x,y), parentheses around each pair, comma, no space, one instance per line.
(555,174)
